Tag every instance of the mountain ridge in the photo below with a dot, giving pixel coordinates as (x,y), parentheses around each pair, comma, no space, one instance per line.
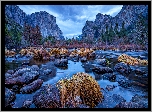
(43,19)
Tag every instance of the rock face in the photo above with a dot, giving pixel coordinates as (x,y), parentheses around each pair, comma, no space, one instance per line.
(44,20)
(129,14)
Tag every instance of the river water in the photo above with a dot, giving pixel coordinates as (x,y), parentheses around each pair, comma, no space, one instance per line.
(74,67)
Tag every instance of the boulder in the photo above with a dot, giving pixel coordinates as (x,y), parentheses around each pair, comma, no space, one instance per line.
(129,105)
(47,97)
(109,76)
(21,71)
(7,75)
(117,98)
(83,59)
(32,86)
(26,78)
(27,104)
(15,88)
(123,81)
(10,71)
(139,72)
(34,68)
(87,67)
(47,71)
(92,55)
(110,87)
(102,70)
(122,68)
(61,62)
(9,97)
(102,62)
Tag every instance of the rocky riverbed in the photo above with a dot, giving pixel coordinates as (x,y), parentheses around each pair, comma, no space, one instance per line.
(32,84)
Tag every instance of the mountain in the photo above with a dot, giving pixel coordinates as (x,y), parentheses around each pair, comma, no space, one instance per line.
(44,20)
(126,21)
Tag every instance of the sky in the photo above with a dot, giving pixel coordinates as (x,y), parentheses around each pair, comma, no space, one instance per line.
(72,18)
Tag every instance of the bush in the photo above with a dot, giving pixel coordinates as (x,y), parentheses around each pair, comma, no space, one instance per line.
(80,85)
(131,61)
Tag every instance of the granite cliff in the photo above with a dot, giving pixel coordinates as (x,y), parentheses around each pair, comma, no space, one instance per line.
(129,16)
(44,20)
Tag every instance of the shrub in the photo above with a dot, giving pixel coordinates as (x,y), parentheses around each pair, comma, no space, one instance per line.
(80,85)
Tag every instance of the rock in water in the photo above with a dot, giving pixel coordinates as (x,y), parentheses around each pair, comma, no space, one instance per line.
(84,59)
(102,70)
(122,68)
(26,78)
(26,104)
(61,62)
(32,86)
(102,62)
(129,105)
(47,97)
(9,97)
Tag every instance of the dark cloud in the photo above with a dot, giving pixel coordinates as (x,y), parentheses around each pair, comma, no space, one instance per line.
(72,18)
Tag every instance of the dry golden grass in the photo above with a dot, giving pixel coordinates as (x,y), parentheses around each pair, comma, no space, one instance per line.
(9,53)
(131,61)
(80,85)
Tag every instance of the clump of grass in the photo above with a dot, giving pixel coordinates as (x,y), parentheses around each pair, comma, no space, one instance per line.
(131,61)
(80,85)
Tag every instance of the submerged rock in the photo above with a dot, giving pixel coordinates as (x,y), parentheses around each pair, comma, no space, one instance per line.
(9,97)
(32,86)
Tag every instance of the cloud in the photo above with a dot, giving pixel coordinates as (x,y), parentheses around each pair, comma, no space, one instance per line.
(72,18)
(113,11)
(29,9)
(70,27)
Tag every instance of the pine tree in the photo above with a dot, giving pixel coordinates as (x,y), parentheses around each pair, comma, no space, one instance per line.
(111,33)
(123,31)
(141,30)
(116,29)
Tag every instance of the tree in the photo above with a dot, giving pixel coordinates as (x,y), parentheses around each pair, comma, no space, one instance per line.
(141,30)
(116,29)
(123,31)
(32,35)
(26,33)
(111,33)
